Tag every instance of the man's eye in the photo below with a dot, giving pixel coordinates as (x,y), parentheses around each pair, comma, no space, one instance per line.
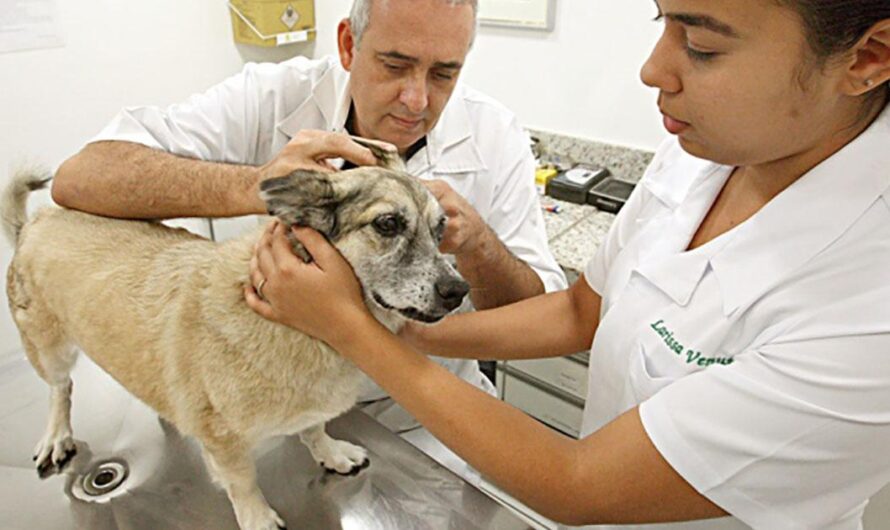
(389,225)
(393,67)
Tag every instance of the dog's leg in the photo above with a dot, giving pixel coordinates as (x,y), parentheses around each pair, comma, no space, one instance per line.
(230,464)
(335,455)
(57,447)
(52,355)
(53,362)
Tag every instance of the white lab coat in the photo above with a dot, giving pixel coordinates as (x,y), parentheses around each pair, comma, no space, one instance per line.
(760,359)
(477,147)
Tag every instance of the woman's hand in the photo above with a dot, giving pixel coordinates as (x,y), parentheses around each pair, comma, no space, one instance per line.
(322,298)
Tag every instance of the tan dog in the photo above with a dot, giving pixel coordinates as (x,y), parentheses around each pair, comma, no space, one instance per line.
(161,310)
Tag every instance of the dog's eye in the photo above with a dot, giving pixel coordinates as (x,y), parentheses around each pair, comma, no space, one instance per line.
(389,225)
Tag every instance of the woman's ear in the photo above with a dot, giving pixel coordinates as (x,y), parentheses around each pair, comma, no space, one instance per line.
(869,66)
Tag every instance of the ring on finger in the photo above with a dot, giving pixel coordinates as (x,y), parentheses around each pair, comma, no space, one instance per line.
(259,289)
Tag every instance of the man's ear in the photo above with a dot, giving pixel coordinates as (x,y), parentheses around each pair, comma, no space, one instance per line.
(870,66)
(305,198)
(346,44)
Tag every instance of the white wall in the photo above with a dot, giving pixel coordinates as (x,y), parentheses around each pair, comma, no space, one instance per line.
(117,53)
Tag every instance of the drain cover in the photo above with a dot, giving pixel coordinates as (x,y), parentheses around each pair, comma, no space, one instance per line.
(105,477)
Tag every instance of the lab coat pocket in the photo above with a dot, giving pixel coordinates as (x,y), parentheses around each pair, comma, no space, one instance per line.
(642,381)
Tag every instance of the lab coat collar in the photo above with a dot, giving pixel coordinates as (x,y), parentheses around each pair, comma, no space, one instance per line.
(805,218)
(687,173)
(330,96)
(663,260)
(450,147)
(677,275)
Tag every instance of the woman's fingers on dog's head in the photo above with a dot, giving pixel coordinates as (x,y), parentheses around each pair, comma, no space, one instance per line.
(278,243)
(256,278)
(266,238)
(255,272)
(316,245)
(265,262)
(256,303)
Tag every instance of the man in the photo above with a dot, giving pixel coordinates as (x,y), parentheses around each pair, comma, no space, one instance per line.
(396,81)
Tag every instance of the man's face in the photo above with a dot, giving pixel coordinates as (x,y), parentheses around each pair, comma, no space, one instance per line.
(406,66)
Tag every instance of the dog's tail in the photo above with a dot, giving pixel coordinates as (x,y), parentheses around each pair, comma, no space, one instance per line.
(14,200)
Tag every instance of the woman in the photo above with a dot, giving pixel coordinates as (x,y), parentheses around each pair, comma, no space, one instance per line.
(737,314)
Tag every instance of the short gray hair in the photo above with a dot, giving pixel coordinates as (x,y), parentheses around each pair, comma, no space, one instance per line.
(360,16)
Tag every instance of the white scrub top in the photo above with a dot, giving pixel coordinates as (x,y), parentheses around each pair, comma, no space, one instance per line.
(760,360)
(477,147)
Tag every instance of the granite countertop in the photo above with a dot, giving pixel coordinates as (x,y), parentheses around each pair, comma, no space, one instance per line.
(576,231)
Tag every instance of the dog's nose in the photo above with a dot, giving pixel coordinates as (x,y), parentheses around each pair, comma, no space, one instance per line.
(452,291)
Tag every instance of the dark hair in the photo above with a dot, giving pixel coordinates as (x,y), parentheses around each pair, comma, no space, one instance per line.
(834,26)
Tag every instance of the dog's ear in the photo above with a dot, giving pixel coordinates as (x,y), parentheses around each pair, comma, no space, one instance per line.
(304,198)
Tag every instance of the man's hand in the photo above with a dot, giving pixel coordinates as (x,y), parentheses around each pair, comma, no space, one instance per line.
(466,234)
(495,275)
(310,149)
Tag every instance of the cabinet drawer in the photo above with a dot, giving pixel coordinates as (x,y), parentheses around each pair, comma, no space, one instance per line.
(565,374)
(542,405)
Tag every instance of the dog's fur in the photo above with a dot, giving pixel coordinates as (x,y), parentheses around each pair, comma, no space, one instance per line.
(162,311)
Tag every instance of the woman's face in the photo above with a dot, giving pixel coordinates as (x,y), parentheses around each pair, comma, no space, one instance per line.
(738,84)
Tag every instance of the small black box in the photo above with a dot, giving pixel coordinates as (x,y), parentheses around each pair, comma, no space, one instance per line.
(610,194)
(574,184)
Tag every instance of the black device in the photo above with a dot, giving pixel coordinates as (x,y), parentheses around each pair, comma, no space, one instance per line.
(610,194)
(574,184)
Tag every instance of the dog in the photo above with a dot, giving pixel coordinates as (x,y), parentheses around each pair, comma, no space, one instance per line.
(162,311)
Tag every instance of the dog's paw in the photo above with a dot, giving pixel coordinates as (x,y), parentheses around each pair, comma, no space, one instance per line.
(53,453)
(261,518)
(344,458)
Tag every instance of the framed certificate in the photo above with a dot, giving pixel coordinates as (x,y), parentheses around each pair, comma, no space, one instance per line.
(530,14)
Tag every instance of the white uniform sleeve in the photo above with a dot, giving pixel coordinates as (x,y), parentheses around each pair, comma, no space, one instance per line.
(516,215)
(218,125)
(795,433)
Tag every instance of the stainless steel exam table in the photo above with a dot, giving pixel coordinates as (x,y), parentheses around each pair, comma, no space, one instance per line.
(135,472)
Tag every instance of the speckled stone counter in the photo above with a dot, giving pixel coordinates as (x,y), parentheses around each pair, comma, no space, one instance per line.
(576,231)
(624,162)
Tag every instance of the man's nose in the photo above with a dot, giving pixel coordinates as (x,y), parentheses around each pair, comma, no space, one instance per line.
(415,95)
(452,292)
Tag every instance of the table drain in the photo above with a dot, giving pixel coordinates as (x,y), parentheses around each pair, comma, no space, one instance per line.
(105,477)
